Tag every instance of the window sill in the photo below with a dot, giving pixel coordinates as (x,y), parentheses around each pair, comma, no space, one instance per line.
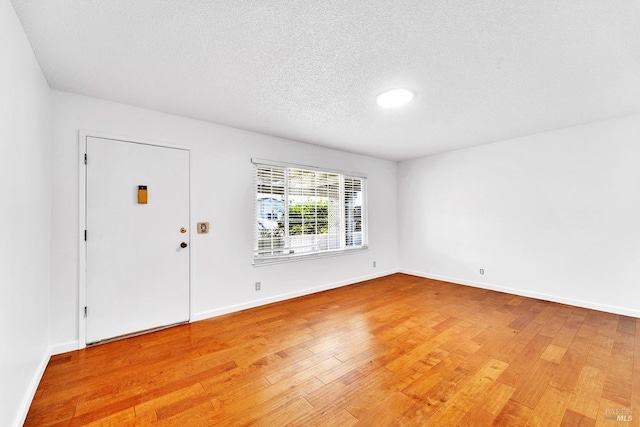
(261,262)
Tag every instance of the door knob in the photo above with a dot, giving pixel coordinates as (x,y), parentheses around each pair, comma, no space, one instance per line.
(183,245)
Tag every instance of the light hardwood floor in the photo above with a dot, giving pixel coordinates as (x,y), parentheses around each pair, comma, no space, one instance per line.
(399,350)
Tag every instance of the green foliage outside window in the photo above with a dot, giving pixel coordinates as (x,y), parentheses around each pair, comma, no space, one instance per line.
(310,217)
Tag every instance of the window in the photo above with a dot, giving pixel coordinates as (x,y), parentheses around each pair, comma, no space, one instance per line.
(301,211)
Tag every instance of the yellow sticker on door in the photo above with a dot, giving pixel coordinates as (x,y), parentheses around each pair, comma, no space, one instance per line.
(142,194)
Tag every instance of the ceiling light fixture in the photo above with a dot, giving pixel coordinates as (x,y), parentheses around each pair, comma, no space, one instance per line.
(395,97)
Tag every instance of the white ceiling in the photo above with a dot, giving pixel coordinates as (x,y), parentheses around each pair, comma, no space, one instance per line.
(310,70)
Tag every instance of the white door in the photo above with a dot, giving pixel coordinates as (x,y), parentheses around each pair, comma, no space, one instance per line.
(137,253)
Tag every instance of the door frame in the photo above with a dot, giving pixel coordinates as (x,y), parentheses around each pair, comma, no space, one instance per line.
(82,220)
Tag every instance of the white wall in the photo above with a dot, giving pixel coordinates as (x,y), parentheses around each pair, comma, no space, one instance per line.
(222,277)
(554,216)
(25,132)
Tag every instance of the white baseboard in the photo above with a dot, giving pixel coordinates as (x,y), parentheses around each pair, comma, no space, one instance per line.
(531,294)
(282,297)
(64,347)
(31,390)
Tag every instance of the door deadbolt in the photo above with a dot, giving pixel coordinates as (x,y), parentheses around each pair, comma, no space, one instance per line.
(183,230)
(183,245)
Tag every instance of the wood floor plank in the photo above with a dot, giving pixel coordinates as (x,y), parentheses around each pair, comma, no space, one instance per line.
(599,357)
(554,325)
(491,340)
(343,419)
(387,411)
(338,393)
(293,412)
(469,393)
(251,408)
(550,409)
(571,365)
(477,417)
(313,365)
(532,384)
(521,365)
(421,388)
(398,350)
(553,353)
(618,383)
(438,395)
(408,358)
(495,398)
(518,342)
(124,417)
(627,325)
(513,414)
(140,390)
(171,399)
(574,419)
(568,331)
(587,391)
(199,415)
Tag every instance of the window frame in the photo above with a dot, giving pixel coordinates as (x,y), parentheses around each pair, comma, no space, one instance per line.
(259,260)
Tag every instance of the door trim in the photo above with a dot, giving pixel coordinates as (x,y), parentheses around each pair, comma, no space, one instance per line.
(83,134)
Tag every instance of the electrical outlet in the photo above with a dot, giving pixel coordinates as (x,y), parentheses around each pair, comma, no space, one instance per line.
(374,264)
(482,271)
(258,286)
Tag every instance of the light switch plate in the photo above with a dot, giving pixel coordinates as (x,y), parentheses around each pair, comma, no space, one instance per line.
(203,228)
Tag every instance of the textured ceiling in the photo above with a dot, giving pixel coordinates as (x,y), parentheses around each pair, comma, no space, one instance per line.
(310,70)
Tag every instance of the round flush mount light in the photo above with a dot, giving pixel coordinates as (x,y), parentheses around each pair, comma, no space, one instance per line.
(395,97)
